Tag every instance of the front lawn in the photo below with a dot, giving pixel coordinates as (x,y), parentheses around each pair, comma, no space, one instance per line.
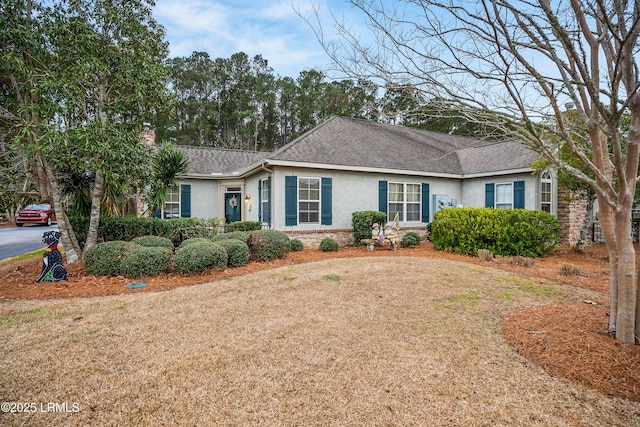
(371,340)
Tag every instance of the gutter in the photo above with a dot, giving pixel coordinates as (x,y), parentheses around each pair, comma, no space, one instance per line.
(262,165)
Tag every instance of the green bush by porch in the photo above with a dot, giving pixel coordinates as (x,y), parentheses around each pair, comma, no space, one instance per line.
(146,261)
(104,259)
(363,221)
(198,257)
(266,245)
(506,232)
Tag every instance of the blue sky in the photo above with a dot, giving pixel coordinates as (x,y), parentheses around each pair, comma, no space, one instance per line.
(270,28)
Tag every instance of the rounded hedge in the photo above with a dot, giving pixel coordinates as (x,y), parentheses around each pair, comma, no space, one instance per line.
(194,240)
(243,236)
(410,240)
(146,261)
(268,244)
(104,258)
(197,257)
(329,245)
(296,245)
(153,242)
(237,251)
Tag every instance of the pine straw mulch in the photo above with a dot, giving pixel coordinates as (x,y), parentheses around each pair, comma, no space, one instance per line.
(567,340)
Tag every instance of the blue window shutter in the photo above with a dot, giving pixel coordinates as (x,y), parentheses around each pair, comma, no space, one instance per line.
(185,201)
(325,201)
(157,213)
(259,200)
(290,200)
(518,195)
(267,214)
(425,202)
(382,196)
(489,195)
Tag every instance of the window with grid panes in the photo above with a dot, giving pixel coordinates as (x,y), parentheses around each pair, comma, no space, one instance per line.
(504,196)
(545,191)
(309,200)
(172,203)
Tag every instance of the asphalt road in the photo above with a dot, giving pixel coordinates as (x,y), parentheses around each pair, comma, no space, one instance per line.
(16,241)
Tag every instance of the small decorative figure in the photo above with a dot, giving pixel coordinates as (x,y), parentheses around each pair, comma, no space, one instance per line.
(391,234)
(52,268)
(375,231)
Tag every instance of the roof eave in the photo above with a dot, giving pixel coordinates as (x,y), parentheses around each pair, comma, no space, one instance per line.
(309,165)
(495,173)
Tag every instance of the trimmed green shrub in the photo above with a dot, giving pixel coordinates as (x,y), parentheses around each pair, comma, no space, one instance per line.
(197,257)
(410,240)
(296,245)
(129,227)
(329,245)
(362,223)
(505,232)
(265,245)
(104,258)
(243,236)
(146,261)
(247,225)
(154,242)
(194,240)
(237,251)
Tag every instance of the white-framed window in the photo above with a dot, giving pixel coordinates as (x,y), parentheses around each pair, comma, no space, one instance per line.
(264,199)
(545,191)
(309,200)
(504,195)
(405,201)
(172,203)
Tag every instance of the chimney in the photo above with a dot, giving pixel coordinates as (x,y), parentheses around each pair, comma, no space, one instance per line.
(148,135)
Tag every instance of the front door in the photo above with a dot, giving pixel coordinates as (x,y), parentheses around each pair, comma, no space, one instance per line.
(232,207)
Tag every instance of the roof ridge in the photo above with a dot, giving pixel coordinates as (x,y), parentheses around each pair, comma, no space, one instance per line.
(304,135)
(206,147)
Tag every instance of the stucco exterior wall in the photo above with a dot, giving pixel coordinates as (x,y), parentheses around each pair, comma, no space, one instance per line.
(351,192)
(252,210)
(204,197)
(473,190)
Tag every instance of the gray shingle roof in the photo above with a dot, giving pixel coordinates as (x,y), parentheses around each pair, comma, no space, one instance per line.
(495,157)
(208,160)
(360,143)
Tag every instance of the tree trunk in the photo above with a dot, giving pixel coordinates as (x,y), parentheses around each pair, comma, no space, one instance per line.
(607,225)
(96,202)
(627,280)
(67,235)
(43,180)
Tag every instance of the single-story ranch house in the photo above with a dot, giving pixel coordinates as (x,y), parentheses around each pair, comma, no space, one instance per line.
(310,187)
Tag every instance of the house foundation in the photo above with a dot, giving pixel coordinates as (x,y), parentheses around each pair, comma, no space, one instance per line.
(311,238)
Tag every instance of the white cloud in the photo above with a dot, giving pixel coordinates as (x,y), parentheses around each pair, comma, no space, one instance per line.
(271,29)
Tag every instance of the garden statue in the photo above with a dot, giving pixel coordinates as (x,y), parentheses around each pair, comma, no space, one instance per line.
(52,268)
(391,232)
(388,234)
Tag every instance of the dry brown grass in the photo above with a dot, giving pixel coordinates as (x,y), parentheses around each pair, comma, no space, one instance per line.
(360,341)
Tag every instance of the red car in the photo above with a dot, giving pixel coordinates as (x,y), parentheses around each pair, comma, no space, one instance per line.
(42,213)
